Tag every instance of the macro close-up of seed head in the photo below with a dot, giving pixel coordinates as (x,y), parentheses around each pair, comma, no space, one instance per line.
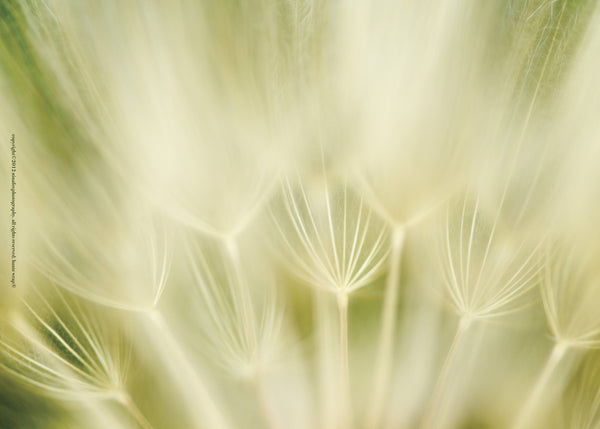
(300,214)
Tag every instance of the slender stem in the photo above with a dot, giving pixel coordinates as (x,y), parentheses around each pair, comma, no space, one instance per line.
(344,380)
(200,403)
(463,325)
(125,399)
(249,326)
(100,414)
(327,377)
(528,411)
(383,360)
(258,384)
(245,306)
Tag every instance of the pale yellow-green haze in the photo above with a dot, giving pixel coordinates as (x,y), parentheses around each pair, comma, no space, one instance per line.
(300,214)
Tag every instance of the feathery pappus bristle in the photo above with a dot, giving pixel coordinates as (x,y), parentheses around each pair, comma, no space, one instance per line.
(300,214)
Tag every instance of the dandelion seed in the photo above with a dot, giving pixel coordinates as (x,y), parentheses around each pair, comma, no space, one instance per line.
(243,325)
(127,269)
(569,291)
(61,349)
(335,241)
(243,335)
(339,257)
(486,273)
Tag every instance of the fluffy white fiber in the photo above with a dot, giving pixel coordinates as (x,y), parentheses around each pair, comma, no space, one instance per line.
(277,214)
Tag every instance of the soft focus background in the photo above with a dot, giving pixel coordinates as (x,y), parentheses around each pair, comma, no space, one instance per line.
(297,214)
